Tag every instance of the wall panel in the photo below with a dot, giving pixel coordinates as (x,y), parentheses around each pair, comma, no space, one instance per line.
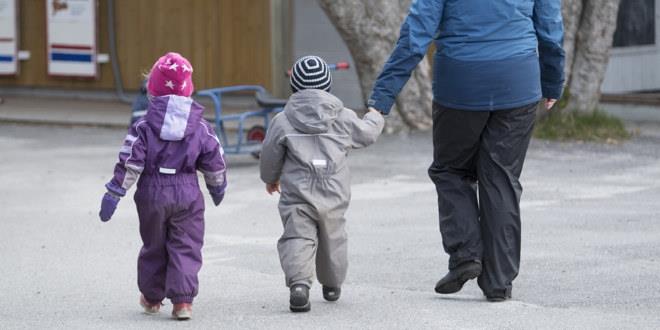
(227,41)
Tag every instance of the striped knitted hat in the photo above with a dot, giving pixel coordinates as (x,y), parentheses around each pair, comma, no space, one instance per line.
(310,72)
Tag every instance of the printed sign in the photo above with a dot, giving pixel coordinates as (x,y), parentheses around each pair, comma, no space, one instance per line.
(8,38)
(71,38)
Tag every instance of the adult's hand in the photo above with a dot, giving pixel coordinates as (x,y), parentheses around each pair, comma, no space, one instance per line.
(549,103)
(375,110)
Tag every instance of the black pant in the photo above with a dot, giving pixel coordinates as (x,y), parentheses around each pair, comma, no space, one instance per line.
(481,152)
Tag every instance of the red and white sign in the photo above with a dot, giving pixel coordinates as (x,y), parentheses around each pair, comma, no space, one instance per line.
(71,39)
(8,37)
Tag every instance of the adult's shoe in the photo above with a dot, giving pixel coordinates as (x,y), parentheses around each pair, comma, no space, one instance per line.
(456,278)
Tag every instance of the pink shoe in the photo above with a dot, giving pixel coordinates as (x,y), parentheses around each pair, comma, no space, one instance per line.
(182,311)
(149,308)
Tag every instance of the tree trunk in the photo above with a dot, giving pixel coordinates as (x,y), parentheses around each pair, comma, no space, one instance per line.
(594,41)
(571,11)
(370,29)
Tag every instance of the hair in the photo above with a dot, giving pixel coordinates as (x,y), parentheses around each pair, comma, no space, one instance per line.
(145,80)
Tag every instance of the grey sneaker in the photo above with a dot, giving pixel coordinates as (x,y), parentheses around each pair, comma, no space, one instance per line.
(299,299)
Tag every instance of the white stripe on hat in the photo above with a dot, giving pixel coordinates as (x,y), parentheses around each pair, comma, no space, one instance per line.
(326,73)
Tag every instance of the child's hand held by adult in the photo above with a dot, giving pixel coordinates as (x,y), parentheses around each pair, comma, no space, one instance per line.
(372,109)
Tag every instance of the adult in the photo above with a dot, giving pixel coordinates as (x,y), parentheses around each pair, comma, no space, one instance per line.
(494,61)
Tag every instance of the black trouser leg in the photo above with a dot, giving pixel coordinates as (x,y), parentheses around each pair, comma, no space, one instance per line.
(456,141)
(502,151)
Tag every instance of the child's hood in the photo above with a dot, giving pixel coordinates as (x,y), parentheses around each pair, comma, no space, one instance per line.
(312,111)
(174,117)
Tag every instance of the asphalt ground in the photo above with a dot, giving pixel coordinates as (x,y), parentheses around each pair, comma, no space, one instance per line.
(591,238)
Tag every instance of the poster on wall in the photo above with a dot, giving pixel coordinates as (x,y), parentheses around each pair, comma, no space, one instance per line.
(71,38)
(8,37)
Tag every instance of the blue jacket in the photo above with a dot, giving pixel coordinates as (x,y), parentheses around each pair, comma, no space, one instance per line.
(490,54)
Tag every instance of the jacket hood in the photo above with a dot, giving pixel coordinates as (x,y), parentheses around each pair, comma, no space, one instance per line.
(173,117)
(312,111)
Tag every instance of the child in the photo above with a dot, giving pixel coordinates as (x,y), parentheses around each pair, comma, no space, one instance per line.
(305,149)
(165,149)
(140,103)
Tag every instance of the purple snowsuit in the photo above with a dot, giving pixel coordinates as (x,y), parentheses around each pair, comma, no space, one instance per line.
(165,149)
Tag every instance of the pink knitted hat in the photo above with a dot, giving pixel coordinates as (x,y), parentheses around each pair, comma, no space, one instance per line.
(171,74)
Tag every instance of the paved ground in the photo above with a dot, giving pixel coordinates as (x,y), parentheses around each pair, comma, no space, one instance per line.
(591,237)
(96,113)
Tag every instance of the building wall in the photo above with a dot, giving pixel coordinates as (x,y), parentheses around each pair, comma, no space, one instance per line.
(634,68)
(227,41)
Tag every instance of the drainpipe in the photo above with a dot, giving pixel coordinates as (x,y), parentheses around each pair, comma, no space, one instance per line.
(116,72)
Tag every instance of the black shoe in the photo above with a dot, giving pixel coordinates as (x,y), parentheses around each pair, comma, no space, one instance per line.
(499,296)
(331,294)
(299,299)
(456,278)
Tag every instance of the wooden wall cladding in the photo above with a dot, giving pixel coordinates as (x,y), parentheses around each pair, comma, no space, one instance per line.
(227,41)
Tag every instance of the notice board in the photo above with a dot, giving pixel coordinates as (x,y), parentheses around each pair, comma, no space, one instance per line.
(71,38)
(8,37)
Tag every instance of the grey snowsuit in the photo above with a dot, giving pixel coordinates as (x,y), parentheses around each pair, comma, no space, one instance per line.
(306,149)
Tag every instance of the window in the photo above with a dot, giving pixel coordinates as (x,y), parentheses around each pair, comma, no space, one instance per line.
(635,24)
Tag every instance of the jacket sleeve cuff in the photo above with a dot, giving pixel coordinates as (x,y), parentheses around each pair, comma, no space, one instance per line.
(382,104)
(117,190)
(217,190)
(552,91)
